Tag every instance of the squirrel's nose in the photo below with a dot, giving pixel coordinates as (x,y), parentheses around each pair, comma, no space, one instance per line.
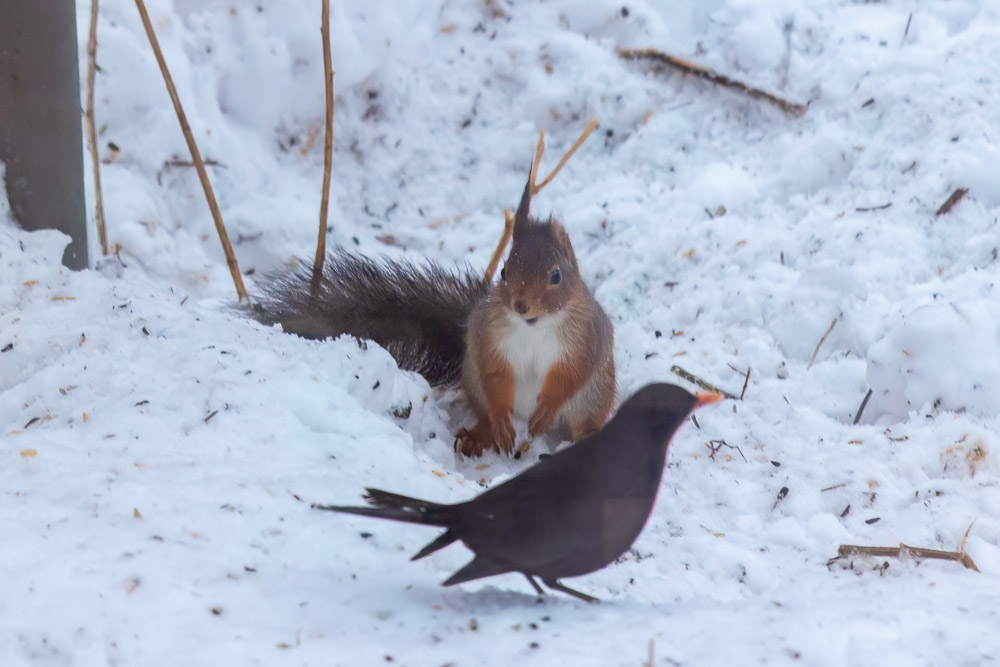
(520,307)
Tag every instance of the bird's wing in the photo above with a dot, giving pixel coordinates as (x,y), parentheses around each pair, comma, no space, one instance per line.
(535,517)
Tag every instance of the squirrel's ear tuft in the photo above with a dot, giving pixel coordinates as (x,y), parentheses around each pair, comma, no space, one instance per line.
(521,218)
(561,238)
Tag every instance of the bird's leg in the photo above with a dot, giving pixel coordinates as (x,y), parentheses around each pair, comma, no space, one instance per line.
(531,580)
(556,586)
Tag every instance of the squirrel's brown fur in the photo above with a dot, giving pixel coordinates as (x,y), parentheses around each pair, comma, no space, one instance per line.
(535,344)
(542,333)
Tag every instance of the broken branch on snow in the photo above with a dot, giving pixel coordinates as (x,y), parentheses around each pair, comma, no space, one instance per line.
(956,196)
(694,379)
(820,343)
(702,72)
(847,550)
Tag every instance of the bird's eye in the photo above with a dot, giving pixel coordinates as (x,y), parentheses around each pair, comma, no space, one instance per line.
(555,277)
(503,274)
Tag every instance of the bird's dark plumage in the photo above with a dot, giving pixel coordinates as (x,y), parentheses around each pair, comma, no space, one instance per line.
(569,515)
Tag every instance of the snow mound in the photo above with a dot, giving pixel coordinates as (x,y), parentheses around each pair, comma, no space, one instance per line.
(940,356)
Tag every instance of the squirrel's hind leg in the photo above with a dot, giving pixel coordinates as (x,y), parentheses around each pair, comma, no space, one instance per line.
(585,428)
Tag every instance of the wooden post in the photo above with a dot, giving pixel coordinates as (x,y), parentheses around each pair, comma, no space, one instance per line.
(41,140)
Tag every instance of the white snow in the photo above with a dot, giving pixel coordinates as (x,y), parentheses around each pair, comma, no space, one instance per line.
(164,517)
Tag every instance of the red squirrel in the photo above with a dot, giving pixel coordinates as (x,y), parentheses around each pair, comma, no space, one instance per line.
(536,344)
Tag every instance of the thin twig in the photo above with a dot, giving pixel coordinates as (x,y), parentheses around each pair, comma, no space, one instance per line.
(861,409)
(694,379)
(187,163)
(206,185)
(715,445)
(535,187)
(961,545)
(866,209)
(949,203)
(539,150)
(711,75)
(746,381)
(591,126)
(907,31)
(847,550)
(508,230)
(327,147)
(102,233)
(820,343)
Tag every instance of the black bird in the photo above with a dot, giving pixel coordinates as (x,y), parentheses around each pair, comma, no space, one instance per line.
(571,514)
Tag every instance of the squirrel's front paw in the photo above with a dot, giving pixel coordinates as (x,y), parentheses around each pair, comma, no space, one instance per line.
(503,434)
(497,434)
(541,421)
(473,442)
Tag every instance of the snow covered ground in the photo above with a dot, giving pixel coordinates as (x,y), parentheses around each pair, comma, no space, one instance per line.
(160,452)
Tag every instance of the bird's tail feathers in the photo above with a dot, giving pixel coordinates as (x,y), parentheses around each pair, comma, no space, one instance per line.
(389,513)
(386,499)
(439,542)
(385,505)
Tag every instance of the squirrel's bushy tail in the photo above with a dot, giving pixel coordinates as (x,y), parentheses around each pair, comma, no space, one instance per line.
(417,313)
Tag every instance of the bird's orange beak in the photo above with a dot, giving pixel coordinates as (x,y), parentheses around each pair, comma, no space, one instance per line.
(705,399)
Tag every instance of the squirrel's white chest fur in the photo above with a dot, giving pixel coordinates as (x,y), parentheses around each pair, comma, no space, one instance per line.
(531,350)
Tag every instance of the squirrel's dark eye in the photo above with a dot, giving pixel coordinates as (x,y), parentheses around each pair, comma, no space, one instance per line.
(555,278)
(503,273)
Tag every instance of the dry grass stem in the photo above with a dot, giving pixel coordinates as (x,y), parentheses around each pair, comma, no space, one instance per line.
(508,231)
(861,409)
(694,379)
(327,147)
(539,150)
(822,340)
(206,185)
(591,126)
(102,233)
(791,108)
(847,550)
(965,538)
